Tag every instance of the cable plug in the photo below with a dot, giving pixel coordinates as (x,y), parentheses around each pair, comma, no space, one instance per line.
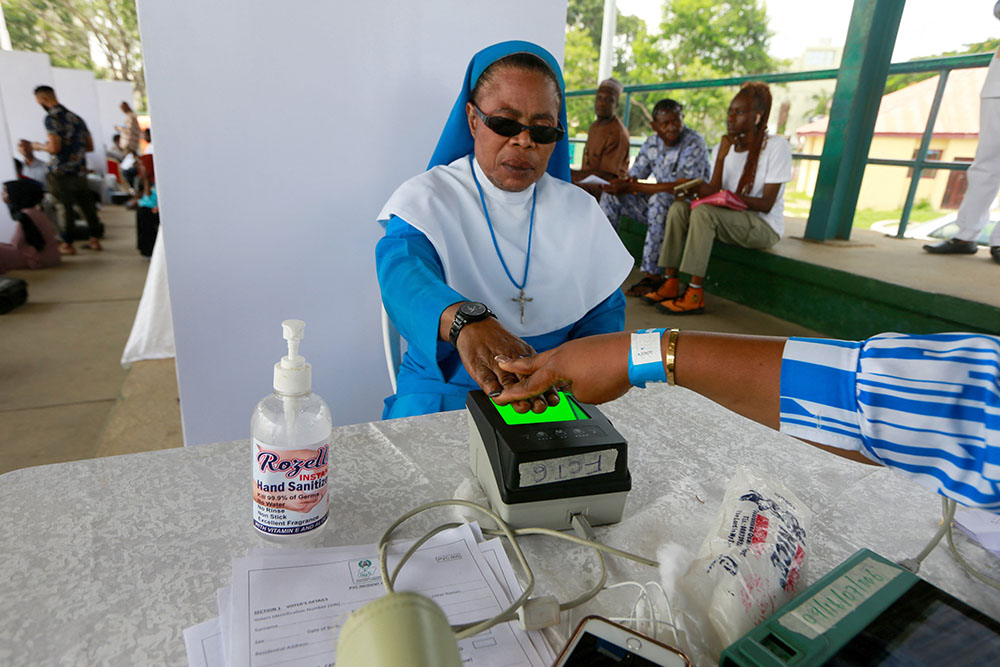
(538,613)
(581,526)
(911,564)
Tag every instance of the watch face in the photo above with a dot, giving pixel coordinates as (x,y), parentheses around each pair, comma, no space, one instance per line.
(472,309)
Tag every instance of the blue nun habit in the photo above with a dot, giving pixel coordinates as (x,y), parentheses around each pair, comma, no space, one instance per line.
(411,276)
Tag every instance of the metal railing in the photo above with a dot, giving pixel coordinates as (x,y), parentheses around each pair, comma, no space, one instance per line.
(943,66)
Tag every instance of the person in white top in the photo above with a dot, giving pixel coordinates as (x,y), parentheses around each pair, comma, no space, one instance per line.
(983,175)
(752,168)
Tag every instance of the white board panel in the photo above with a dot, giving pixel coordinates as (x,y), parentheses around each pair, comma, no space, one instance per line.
(280,133)
(7,173)
(20,73)
(77,91)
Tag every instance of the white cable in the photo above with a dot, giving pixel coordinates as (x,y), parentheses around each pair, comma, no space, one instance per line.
(947,529)
(475,628)
(510,613)
(634,616)
(668,607)
(961,560)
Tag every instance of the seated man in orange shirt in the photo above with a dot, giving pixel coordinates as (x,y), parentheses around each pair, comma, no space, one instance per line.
(606,152)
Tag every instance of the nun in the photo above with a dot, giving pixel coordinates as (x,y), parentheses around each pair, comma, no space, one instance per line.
(492,252)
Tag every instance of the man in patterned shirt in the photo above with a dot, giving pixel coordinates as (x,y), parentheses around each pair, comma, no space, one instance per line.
(673,154)
(68,143)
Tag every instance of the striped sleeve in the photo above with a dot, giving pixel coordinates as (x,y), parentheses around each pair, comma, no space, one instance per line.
(928,405)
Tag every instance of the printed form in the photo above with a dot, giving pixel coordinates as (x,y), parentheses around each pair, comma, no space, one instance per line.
(287,606)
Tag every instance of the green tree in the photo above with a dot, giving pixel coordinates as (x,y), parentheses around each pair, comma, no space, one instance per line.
(897,81)
(63,28)
(697,39)
(580,72)
(821,104)
(584,24)
(47,27)
(732,36)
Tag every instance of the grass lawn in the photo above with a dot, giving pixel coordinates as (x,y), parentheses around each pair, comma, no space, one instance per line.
(797,206)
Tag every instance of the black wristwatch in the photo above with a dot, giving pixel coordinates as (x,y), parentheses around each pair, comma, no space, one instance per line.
(470,311)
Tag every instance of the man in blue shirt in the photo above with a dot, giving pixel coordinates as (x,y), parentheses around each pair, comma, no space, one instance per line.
(673,154)
(68,143)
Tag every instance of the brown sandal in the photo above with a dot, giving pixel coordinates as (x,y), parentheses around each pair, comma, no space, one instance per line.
(645,286)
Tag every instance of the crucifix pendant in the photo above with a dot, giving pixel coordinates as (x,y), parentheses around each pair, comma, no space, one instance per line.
(522,299)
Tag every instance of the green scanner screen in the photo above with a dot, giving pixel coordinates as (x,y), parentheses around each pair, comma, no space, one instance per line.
(568,410)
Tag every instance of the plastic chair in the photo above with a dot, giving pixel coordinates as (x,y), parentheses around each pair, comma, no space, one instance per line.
(392,346)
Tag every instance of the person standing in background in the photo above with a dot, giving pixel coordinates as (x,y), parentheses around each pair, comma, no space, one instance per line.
(983,174)
(128,141)
(68,143)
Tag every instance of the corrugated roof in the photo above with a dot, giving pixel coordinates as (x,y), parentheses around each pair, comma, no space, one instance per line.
(905,111)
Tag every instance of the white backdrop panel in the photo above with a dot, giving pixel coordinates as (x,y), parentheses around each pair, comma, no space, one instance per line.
(110,95)
(271,172)
(77,91)
(7,173)
(20,73)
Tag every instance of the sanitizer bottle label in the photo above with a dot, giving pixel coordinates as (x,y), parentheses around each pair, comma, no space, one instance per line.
(290,488)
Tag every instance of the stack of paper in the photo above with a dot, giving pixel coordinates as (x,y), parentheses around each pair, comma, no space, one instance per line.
(982,526)
(286,606)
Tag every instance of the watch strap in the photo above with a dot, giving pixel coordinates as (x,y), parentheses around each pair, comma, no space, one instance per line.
(461,319)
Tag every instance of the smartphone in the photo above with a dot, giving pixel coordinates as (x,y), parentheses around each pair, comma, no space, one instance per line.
(598,642)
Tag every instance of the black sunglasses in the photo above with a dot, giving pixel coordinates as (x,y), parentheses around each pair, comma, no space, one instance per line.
(508,127)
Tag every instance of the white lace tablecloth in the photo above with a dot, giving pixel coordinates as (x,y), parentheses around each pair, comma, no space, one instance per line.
(107,561)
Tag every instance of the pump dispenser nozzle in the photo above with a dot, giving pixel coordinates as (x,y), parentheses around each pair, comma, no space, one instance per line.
(292,375)
(293,333)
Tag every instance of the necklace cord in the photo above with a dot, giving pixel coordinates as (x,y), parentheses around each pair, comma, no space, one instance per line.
(489,223)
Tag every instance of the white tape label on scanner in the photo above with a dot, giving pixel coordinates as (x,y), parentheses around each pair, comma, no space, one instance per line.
(566,468)
(646,348)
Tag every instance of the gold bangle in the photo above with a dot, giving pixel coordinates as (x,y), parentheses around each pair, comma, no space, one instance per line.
(671,350)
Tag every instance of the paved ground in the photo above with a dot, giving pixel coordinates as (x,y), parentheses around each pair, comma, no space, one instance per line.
(63,392)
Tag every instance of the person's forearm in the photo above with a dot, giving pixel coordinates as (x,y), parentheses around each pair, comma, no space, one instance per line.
(742,373)
(653,188)
(760,204)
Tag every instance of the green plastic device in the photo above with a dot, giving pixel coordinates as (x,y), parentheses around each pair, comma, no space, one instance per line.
(870,611)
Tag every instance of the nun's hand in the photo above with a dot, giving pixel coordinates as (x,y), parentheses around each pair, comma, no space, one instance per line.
(479,345)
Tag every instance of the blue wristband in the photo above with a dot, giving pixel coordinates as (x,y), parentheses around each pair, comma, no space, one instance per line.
(645,358)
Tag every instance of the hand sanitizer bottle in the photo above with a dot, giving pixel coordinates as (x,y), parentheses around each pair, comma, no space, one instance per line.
(290,435)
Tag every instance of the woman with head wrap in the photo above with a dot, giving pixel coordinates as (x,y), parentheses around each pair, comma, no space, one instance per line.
(752,167)
(35,244)
(492,251)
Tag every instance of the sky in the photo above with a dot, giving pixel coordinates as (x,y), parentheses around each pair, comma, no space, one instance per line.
(924,29)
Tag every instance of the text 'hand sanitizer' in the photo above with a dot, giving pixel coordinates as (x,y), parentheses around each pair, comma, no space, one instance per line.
(290,434)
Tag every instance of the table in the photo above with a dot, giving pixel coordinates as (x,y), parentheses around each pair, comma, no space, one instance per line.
(106,561)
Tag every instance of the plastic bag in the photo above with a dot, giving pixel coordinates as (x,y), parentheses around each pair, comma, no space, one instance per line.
(751,563)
